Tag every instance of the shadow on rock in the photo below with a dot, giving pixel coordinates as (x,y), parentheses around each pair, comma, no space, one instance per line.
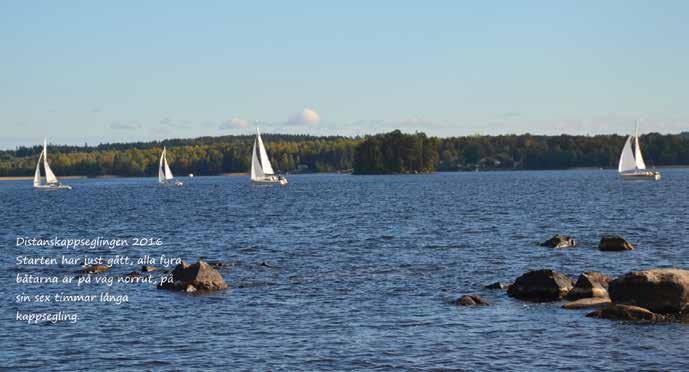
(199,276)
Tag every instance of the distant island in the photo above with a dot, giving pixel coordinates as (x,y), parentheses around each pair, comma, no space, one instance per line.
(396,153)
(389,153)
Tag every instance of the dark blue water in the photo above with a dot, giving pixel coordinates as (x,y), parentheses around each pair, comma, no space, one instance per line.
(364,270)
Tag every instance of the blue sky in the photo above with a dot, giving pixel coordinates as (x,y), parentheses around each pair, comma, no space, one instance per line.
(95,72)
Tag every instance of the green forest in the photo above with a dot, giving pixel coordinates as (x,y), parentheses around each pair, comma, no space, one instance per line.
(393,152)
(396,152)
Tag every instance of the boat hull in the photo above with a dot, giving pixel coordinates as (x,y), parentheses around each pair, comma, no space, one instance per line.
(52,187)
(172,183)
(272,180)
(641,176)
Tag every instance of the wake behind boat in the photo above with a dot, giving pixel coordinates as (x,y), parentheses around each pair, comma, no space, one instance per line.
(165,176)
(51,182)
(632,165)
(261,170)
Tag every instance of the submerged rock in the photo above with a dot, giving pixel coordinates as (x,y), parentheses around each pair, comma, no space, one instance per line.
(471,300)
(133,274)
(198,276)
(541,286)
(94,269)
(625,312)
(614,243)
(216,264)
(589,284)
(497,285)
(559,241)
(658,290)
(587,303)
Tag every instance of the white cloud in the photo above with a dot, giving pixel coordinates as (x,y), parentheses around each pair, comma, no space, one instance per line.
(307,116)
(177,124)
(234,123)
(416,121)
(118,125)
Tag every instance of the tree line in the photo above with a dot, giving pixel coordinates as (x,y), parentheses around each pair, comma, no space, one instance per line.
(393,152)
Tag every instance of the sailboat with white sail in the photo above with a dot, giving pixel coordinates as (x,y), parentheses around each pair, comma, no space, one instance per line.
(165,176)
(261,171)
(51,182)
(632,165)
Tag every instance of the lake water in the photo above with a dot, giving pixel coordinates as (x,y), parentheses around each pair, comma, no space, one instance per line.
(363,272)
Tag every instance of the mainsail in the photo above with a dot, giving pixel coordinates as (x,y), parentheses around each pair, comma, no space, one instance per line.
(161,171)
(168,172)
(640,164)
(627,161)
(37,175)
(256,169)
(265,162)
(164,172)
(49,175)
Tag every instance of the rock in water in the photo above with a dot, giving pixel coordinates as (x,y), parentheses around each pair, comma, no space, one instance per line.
(541,286)
(198,276)
(658,290)
(497,285)
(559,241)
(587,303)
(589,284)
(614,243)
(625,312)
(94,269)
(148,269)
(471,300)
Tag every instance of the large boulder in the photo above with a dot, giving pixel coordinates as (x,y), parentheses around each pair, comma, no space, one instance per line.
(587,303)
(559,241)
(614,243)
(197,276)
(589,284)
(658,290)
(471,300)
(541,286)
(625,312)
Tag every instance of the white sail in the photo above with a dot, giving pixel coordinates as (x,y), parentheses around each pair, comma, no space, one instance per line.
(161,172)
(49,175)
(168,172)
(256,169)
(265,162)
(627,162)
(37,175)
(640,164)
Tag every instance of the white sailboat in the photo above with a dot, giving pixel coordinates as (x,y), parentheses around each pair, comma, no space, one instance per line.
(632,165)
(51,182)
(261,170)
(165,176)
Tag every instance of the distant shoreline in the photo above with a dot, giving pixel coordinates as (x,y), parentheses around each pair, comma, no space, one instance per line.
(246,174)
(24,178)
